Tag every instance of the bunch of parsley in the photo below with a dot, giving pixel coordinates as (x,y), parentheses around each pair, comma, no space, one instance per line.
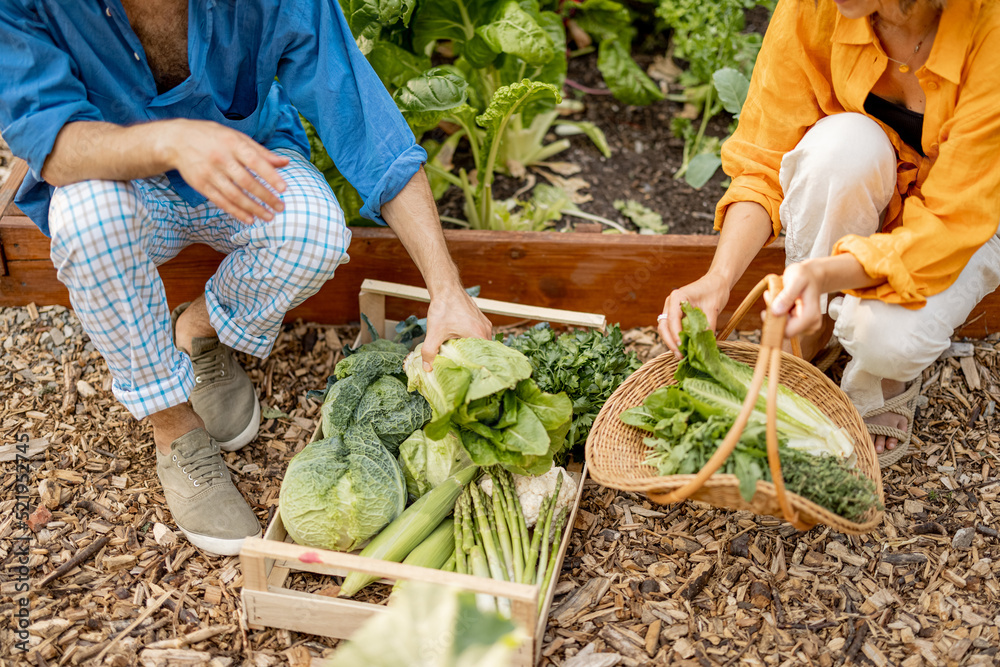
(586,364)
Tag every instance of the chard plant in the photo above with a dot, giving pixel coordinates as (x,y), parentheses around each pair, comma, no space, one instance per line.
(720,56)
(610,24)
(501,65)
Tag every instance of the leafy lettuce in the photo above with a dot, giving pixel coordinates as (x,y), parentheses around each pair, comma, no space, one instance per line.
(484,389)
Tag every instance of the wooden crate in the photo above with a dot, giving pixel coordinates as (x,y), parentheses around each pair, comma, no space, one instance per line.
(269,561)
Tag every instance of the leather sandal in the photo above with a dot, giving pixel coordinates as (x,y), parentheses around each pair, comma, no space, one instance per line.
(904,404)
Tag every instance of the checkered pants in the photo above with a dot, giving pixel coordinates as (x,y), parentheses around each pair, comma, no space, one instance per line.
(108,237)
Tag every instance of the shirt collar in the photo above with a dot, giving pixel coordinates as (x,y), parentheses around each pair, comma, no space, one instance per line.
(950,45)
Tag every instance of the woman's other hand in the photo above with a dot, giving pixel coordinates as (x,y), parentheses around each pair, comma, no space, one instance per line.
(800,299)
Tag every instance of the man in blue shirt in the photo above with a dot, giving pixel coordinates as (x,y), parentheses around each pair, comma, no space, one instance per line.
(150,125)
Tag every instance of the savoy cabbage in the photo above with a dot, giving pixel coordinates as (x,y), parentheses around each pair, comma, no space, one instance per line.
(370,388)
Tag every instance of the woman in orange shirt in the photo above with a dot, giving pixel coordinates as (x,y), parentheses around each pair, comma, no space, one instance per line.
(871,137)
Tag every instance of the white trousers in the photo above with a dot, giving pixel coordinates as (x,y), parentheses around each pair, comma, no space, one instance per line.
(838,181)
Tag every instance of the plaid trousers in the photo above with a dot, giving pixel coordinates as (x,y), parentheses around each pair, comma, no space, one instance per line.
(108,237)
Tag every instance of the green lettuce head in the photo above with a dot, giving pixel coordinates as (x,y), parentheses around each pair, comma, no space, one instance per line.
(338,493)
(464,370)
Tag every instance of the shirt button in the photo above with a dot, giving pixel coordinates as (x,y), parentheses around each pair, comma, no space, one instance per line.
(136,55)
(933,85)
(108,12)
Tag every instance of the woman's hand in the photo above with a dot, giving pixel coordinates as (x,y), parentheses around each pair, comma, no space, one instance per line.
(800,298)
(229,168)
(710,293)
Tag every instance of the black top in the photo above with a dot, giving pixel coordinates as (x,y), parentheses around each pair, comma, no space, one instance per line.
(909,124)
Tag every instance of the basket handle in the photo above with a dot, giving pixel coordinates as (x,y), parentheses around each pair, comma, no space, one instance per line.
(745,307)
(768,366)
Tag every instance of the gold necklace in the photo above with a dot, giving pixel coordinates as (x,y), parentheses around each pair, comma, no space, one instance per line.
(904,66)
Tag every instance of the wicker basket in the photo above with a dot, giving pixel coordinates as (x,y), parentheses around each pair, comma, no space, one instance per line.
(616,453)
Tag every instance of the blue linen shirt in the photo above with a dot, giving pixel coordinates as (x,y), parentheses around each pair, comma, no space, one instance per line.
(81,61)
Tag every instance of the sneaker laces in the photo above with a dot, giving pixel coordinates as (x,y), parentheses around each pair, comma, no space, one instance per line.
(199,462)
(210,364)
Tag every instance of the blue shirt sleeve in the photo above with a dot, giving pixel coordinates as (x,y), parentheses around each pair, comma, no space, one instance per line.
(39,92)
(331,83)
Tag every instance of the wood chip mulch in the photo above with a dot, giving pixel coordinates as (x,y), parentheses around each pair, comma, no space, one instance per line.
(111,581)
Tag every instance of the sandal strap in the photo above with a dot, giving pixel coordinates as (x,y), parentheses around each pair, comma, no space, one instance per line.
(902,404)
(888,431)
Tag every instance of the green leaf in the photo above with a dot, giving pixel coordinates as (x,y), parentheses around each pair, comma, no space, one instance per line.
(367,17)
(516,32)
(528,435)
(437,89)
(478,52)
(602,19)
(440,625)
(506,102)
(626,81)
(642,216)
(395,65)
(438,20)
(427,99)
(732,87)
(595,134)
(271,412)
(701,168)
(553,410)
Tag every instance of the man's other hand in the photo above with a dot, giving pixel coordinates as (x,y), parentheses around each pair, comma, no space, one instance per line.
(452,315)
(229,168)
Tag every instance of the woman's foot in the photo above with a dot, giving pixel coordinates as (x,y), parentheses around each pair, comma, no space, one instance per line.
(890,389)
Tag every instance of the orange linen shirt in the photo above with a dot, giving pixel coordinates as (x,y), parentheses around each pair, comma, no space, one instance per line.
(816,63)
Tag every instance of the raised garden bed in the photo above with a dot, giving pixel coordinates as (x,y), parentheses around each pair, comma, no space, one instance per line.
(624,277)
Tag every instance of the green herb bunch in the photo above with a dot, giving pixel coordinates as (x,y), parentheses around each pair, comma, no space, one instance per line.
(588,365)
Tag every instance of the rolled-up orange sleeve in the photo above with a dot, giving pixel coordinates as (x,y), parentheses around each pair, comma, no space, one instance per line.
(956,208)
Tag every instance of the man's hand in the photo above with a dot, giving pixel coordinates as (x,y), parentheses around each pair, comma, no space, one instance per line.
(218,162)
(453,315)
(232,170)
(710,293)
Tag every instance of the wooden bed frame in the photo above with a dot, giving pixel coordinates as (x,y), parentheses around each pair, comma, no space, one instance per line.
(624,277)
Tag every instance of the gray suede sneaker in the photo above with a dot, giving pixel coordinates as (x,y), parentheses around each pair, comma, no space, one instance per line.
(200,493)
(223,395)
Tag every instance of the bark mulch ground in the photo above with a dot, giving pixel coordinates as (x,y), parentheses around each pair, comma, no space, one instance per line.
(111,582)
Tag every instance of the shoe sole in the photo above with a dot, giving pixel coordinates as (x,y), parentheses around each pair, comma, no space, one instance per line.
(248,434)
(217,545)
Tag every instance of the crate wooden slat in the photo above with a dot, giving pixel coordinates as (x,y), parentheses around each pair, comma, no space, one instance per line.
(268,561)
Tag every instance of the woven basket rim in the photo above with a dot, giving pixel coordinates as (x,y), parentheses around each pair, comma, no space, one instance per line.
(636,387)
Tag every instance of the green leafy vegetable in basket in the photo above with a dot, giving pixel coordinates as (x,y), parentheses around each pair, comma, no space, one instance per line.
(587,365)
(484,389)
(690,419)
(804,425)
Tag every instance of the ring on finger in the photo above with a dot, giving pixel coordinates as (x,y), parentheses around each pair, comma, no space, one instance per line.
(661,317)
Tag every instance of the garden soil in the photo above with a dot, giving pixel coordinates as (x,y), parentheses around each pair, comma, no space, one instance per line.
(644,157)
